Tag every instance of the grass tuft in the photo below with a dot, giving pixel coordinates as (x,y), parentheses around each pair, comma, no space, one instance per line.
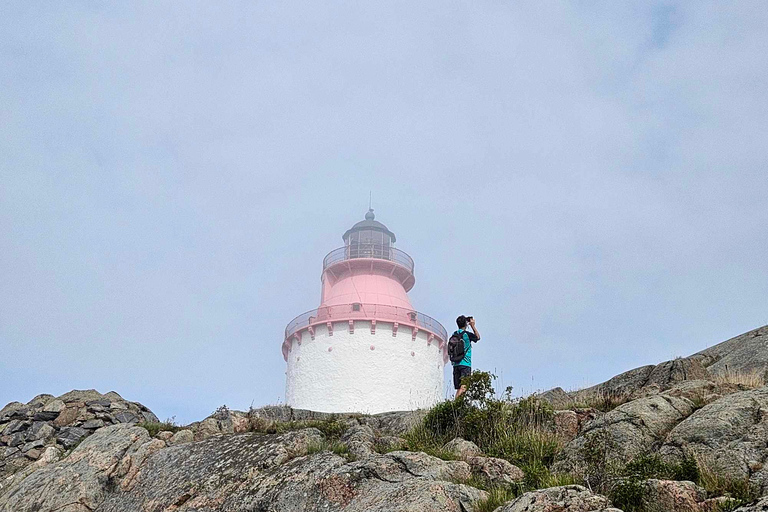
(741,491)
(154,427)
(604,401)
(749,379)
(326,445)
(497,496)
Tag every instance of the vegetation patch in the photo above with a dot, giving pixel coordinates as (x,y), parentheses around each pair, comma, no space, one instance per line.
(518,430)
(746,379)
(741,491)
(326,445)
(332,427)
(601,400)
(154,427)
(497,496)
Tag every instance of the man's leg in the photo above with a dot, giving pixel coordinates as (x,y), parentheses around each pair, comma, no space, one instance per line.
(459,372)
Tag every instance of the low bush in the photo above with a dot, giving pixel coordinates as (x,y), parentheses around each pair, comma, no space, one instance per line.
(154,427)
(518,430)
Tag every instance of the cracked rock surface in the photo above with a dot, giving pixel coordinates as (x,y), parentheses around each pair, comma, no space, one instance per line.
(730,435)
(631,429)
(567,498)
(120,468)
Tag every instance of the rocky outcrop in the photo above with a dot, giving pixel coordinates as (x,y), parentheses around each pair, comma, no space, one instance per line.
(461,448)
(743,354)
(637,383)
(121,468)
(568,498)
(759,506)
(631,429)
(729,435)
(747,352)
(492,470)
(60,422)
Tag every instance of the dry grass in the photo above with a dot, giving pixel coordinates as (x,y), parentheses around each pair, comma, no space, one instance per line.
(749,379)
(716,484)
(599,399)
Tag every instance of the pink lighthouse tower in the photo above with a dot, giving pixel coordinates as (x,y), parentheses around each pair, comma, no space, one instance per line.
(365,349)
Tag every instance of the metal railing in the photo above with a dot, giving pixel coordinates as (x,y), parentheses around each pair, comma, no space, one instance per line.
(365,311)
(375,251)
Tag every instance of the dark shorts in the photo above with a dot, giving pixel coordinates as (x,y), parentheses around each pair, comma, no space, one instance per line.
(458,373)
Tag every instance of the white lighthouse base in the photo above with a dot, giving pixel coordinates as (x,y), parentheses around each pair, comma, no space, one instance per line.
(364,372)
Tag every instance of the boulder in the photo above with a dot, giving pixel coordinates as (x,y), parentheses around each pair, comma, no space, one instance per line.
(77,484)
(15,426)
(67,416)
(394,423)
(181,437)
(631,429)
(55,405)
(496,471)
(386,444)
(624,384)
(93,424)
(567,498)
(360,440)
(462,449)
(390,467)
(40,401)
(81,395)
(557,398)
(667,374)
(728,435)
(5,412)
(673,496)
(206,428)
(45,415)
(126,417)
(566,425)
(165,435)
(759,506)
(70,436)
(32,445)
(40,430)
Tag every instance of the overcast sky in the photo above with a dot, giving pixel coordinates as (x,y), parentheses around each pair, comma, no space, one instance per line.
(589,180)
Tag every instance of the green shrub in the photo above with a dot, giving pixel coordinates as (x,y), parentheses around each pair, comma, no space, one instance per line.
(518,430)
(627,494)
(154,427)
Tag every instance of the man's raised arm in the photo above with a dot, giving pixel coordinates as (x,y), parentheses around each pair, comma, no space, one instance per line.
(474,329)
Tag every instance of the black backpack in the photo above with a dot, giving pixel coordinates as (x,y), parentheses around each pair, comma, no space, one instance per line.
(456,348)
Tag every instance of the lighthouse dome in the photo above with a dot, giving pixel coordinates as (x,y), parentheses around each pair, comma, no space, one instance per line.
(367,231)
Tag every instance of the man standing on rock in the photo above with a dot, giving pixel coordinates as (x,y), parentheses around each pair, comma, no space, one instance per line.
(463,368)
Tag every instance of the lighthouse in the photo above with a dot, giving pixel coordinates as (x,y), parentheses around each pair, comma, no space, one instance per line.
(365,348)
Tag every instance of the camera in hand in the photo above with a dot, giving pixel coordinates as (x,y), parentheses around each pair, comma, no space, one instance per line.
(469,318)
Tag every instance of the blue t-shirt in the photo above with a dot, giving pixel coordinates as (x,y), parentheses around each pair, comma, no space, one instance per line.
(469,338)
